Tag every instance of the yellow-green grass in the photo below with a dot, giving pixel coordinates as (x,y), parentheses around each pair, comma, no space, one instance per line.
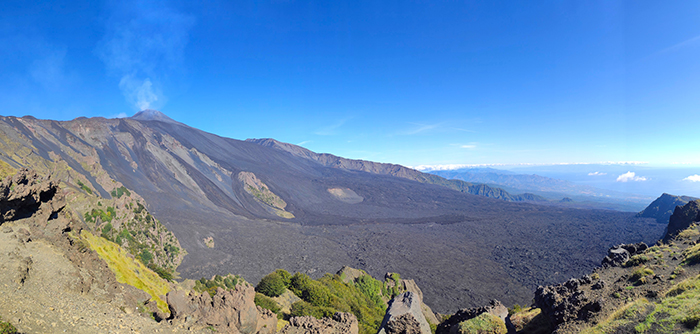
(688,233)
(692,255)
(531,320)
(128,270)
(485,323)
(623,316)
(678,311)
(281,323)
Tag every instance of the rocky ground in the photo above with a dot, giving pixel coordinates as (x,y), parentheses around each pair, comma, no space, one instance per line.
(50,284)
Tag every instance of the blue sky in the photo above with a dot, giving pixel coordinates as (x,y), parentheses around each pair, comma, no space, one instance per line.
(413,83)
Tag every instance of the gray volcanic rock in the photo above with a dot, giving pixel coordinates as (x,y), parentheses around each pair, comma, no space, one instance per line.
(341,323)
(404,316)
(618,255)
(565,302)
(682,218)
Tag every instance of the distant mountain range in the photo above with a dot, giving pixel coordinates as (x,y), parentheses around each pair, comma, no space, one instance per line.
(250,207)
(547,188)
(333,161)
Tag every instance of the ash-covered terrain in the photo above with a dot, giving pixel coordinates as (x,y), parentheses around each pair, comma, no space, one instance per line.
(246,208)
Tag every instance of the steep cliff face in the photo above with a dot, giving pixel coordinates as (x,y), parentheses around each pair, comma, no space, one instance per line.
(682,218)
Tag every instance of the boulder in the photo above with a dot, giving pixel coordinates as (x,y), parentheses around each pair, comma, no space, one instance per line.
(341,323)
(348,274)
(564,302)
(452,325)
(618,255)
(229,311)
(404,315)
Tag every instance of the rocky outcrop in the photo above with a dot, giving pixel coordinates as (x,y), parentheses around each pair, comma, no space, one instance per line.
(348,274)
(663,207)
(228,311)
(451,325)
(682,218)
(567,301)
(404,316)
(25,194)
(618,255)
(341,323)
(411,286)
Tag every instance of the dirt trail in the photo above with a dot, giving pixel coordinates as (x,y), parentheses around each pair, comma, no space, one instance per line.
(40,292)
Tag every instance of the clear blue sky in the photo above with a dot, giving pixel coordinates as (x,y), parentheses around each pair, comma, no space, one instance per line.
(456,82)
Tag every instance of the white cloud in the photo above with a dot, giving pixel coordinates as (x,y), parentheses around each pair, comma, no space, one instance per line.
(469,146)
(630,176)
(693,178)
(597,174)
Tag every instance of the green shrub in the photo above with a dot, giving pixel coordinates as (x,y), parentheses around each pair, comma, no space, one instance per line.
(285,275)
(266,302)
(271,285)
(119,192)
(84,187)
(370,287)
(302,308)
(7,328)
(145,257)
(162,272)
(227,282)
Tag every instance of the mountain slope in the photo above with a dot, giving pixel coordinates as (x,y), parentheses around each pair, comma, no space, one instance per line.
(463,249)
(330,160)
(662,208)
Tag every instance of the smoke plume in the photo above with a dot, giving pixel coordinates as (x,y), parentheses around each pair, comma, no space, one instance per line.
(144,47)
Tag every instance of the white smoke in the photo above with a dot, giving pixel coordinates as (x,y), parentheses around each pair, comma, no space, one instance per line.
(139,93)
(144,47)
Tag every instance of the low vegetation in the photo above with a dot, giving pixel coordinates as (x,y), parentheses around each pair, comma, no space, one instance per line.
(210,286)
(272,285)
(7,328)
(136,230)
(485,323)
(266,302)
(84,187)
(530,320)
(128,270)
(692,255)
(119,192)
(325,296)
(639,275)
